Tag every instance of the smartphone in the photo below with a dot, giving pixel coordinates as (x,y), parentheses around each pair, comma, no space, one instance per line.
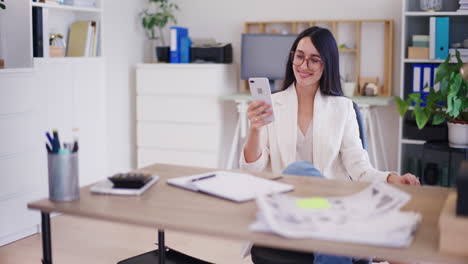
(260,90)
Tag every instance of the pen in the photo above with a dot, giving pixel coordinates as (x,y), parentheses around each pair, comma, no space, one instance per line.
(56,139)
(204,177)
(48,148)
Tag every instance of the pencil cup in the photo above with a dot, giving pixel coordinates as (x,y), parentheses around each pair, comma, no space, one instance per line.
(63,177)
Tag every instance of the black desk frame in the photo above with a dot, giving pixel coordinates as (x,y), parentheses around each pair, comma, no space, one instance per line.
(172,257)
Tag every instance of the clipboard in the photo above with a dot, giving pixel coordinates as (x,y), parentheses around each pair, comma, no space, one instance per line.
(236,187)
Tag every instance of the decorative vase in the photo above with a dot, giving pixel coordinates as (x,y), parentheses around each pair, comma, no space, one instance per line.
(458,134)
(430,5)
(163,53)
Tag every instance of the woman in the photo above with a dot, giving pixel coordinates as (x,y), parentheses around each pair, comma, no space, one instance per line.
(315,132)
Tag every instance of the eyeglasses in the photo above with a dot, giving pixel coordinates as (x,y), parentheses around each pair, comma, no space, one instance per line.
(313,63)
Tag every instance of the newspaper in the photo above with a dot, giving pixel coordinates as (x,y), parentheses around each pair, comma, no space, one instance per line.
(371,216)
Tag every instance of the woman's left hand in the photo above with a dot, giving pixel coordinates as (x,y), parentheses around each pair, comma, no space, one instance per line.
(407,178)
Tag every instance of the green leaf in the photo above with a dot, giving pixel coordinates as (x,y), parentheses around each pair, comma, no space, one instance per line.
(459,61)
(441,72)
(455,87)
(421,117)
(2,6)
(450,98)
(402,106)
(415,97)
(443,86)
(438,118)
(457,103)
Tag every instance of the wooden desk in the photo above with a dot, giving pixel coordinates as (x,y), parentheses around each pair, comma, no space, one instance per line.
(167,207)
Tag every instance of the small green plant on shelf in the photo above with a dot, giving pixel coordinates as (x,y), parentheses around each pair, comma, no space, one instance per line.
(158,14)
(449,103)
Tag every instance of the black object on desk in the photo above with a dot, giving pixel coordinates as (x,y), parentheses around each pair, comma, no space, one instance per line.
(130,180)
(462,189)
(444,147)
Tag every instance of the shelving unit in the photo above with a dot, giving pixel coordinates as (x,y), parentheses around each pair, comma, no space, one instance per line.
(58,18)
(358,36)
(416,22)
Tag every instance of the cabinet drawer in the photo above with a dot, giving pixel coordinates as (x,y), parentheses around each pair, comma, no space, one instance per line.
(187,158)
(20,132)
(178,136)
(186,79)
(179,109)
(18,94)
(22,173)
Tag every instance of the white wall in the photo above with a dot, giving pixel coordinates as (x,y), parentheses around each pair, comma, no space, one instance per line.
(224,20)
(124,46)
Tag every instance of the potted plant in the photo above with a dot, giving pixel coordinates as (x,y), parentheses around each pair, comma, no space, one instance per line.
(154,19)
(448,104)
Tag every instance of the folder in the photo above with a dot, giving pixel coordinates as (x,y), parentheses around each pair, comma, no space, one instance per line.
(79,39)
(177,33)
(37,31)
(185,44)
(237,187)
(434,70)
(427,77)
(417,77)
(442,38)
(432,36)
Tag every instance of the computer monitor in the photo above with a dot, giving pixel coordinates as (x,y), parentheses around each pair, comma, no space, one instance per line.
(265,55)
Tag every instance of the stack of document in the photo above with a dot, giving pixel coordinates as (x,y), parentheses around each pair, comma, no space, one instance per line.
(371,216)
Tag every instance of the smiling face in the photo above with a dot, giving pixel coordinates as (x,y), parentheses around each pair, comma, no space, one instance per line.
(309,72)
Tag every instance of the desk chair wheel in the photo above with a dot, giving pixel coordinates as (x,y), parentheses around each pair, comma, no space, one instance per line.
(265,255)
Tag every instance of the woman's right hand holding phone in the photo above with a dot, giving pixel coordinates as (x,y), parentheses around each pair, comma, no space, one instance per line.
(257,112)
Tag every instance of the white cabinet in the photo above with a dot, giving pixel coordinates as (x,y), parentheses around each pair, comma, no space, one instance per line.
(180,117)
(55,94)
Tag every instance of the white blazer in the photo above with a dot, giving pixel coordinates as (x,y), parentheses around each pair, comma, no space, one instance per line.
(337,147)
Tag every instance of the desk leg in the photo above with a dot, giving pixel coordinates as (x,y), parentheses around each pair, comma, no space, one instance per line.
(46,239)
(161,247)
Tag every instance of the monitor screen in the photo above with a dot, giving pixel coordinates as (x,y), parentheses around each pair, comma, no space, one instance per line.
(265,55)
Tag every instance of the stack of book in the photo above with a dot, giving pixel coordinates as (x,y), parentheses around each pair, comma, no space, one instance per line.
(419,48)
(463,6)
(463,54)
(83,3)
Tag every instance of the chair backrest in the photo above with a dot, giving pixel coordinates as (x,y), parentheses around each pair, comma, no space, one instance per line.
(362,126)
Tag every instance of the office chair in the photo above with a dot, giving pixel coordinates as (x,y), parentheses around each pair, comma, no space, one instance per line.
(266,255)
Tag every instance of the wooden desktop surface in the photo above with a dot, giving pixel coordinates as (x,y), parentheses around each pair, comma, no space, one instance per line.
(172,208)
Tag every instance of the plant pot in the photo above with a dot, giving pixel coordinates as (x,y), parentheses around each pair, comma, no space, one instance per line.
(162,54)
(458,134)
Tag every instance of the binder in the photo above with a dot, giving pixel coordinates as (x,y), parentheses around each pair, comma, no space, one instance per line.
(427,77)
(417,77)
(79,39)
(38,42)
(442,38)
(432,36)
(177,33)
(434,70)
(185,49)
(237,187)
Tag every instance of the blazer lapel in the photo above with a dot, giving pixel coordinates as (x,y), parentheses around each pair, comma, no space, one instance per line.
(286,124)
(318,120)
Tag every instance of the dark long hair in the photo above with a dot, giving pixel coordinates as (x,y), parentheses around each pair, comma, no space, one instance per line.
(325,43)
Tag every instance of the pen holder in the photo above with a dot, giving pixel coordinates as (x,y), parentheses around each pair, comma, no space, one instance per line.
(63,177)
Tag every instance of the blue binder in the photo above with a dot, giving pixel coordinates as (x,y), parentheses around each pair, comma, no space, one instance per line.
(185,44)
(442,38)
(177,33)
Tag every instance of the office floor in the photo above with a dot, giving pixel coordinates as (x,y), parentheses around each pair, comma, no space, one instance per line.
(80,240)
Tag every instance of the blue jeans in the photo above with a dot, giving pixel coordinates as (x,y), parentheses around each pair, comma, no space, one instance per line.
(305,168)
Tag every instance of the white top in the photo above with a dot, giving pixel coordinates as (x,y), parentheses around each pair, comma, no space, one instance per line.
(304,146)
(337,148)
